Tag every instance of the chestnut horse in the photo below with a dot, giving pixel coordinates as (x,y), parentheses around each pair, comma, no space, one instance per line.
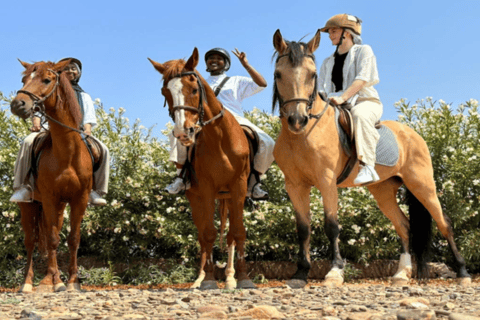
(319,159)
(221,164)
(64,171)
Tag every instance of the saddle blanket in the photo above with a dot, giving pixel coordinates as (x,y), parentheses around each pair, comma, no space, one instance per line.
(387,147)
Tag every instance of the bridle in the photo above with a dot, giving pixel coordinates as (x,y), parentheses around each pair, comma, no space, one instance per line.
(201,109)
(308,101)
(39,106)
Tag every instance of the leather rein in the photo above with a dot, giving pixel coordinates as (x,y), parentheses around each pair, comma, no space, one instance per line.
(201,109)
(39,106)
(308,101)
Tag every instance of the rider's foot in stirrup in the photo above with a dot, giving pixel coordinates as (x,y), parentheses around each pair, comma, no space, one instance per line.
(23,194)
(258,193)
(176,186)
(95,199)
(366,174)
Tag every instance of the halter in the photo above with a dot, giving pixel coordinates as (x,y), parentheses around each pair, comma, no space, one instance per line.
(308,101)
(200,110)
(39,106)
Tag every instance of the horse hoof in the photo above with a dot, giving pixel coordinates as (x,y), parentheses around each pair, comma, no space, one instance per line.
(464,282)
(208,285)
(333,282)
(26,288)
(73,286)
(196,285)
(245,284)
(59,287)
(296,283)
(230,285)
(44,288)
(397,282)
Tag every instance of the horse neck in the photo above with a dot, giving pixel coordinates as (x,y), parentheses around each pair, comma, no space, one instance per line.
(212,108)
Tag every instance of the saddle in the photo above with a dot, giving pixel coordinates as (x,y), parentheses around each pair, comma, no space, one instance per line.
(44,140)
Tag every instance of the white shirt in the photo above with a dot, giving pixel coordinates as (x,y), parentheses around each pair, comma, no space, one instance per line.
(360,64)
(234,91)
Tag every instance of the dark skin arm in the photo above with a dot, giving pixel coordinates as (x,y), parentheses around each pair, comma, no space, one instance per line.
(256,76)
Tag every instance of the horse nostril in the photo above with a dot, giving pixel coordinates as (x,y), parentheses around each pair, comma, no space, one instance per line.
(304,121)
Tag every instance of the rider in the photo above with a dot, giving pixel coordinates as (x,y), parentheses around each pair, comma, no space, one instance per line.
(231,95)
(23,182)
(349,75)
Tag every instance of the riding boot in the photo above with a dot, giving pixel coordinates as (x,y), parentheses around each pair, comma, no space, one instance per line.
(23,194)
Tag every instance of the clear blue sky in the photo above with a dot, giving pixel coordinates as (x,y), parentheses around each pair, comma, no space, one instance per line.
(423,48)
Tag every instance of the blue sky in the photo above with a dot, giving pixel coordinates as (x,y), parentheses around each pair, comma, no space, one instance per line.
(423,48)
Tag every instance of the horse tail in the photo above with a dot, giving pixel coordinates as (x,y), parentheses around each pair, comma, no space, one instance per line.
(40,232)
(420,233)
(223,220)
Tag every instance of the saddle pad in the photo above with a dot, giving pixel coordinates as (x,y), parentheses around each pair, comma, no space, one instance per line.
(387,147)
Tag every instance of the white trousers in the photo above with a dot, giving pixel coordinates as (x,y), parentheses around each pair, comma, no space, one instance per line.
(262,159)
(365,114)
(24,163)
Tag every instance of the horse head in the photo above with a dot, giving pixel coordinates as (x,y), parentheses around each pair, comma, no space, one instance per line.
(295,80)
(185,94)
(40,80)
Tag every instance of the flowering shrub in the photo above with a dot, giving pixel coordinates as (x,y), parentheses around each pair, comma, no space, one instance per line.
(142,222)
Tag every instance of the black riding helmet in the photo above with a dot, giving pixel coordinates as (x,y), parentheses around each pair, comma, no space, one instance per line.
(220,51)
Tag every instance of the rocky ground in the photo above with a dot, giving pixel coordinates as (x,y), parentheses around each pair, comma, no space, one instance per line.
(363,299)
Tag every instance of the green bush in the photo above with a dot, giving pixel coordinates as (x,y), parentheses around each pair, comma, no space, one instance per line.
(141,222)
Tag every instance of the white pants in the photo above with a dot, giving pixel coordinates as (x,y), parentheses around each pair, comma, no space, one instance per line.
(262,159)
(24,163)
(365,114)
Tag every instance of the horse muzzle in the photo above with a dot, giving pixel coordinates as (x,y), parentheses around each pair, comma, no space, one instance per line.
(21,108)
(297,123)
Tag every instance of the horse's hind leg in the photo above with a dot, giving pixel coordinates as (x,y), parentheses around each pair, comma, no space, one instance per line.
(30,215)
(385,193)
(76,215)
(201,273)
(422,186)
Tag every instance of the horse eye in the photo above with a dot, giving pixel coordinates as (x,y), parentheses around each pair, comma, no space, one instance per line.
(47,81)
(195,91)
(277,75)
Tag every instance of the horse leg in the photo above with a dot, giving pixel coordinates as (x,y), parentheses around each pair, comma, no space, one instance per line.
(30,215)
(328,189)
(385,193)
(300,197)
(230,282)
(203,212)
(77,211)
(422,186)
(53,221)
(201,273)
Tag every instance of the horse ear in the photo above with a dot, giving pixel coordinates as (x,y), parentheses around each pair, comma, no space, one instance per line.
(158,66)
(61,65)
(192,61)
(315,42)
(279,44)
(24,64)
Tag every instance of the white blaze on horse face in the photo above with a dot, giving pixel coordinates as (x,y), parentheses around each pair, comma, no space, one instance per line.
(175,86)
(32,75)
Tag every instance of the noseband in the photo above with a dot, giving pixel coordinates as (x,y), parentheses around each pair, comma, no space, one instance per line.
(308,101)
(201,109)
(39,106)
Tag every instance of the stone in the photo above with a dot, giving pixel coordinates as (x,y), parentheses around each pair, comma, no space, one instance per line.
(416,315)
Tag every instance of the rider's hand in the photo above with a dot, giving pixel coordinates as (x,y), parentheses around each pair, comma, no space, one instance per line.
(337,101)
(242,56)
(35,128)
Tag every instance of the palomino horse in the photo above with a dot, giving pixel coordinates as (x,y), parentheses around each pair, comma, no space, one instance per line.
(64,171)
(221,164)
(319,159)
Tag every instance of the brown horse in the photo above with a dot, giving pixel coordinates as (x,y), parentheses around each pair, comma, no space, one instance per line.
(64,171)
(221,163)
(319,159)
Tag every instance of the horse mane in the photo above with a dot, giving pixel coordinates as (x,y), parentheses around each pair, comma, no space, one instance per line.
(173,68)
(296,51)
(65,86)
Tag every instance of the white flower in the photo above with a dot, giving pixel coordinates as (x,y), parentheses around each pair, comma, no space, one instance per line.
(352,242)
(98,101)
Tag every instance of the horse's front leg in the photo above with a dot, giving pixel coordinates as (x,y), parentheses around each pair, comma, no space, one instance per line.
(52,224)
(329,192)
(76,216)
(299,193)
(203,210)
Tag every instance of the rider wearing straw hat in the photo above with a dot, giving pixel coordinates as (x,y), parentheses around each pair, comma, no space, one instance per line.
(231,91)
(348,75)
(23,182)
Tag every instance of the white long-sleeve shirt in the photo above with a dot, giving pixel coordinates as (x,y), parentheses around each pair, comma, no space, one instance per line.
(234,91)
(360,64)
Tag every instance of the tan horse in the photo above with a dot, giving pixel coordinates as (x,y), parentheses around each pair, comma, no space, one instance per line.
(64,171)
(319,160)
(221,164)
